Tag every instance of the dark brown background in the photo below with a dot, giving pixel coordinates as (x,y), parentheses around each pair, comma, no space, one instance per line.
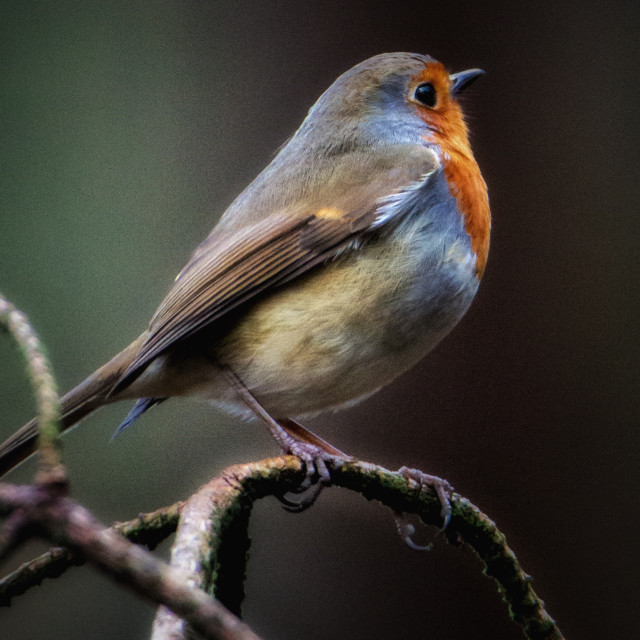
(127,127)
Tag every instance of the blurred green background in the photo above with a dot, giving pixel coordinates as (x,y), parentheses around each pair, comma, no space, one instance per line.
(126,128)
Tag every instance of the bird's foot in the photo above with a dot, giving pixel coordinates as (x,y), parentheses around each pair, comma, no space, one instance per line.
(294,439)
(317,475)
(424,482)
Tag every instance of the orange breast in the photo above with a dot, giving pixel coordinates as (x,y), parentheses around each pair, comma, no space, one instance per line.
(469,189)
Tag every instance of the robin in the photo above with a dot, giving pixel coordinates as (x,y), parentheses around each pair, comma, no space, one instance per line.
(339,267)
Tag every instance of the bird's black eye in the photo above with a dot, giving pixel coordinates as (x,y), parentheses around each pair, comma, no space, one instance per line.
(426,94)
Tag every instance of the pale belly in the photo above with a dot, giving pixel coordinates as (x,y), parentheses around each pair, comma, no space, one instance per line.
(336,336)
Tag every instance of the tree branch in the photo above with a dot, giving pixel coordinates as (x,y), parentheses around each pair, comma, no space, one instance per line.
(220,512)
(44,509)
(60,518)
(44,387)
(148,529)
(224,505)
(212,542)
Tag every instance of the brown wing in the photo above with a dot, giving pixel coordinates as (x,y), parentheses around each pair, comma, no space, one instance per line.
(263,256)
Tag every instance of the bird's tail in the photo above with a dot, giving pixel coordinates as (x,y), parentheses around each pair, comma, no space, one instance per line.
(75,405)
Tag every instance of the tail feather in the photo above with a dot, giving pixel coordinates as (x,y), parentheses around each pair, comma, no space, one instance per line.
(142,405)
(88,396)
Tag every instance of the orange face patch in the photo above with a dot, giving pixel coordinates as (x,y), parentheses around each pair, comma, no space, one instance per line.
(436,74)
(448,131)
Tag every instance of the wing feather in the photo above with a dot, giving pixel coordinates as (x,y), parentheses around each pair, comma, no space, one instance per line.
(220,276)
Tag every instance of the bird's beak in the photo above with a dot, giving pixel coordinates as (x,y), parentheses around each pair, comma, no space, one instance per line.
(460,81)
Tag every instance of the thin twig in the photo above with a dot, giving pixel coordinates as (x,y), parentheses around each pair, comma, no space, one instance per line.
(44,387)
(468,525)
(51,564)
(149,529)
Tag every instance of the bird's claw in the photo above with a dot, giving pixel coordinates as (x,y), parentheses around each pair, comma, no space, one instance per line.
(317,476)
(306,501)
(424,482)
(441,487)
(406,531)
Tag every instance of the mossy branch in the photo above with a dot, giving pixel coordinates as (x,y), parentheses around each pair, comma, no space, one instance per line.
(44,386)
(205,540)
(44,509)
(213,533)
(212,541)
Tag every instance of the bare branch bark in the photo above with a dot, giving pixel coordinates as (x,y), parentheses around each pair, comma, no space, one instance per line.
(212,542)
(210,549)
(44,509)
(63,519)
(148,529)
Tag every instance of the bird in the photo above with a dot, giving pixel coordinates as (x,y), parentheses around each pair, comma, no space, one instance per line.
(348,258)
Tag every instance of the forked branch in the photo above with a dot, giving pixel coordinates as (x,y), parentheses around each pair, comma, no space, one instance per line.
(212,541)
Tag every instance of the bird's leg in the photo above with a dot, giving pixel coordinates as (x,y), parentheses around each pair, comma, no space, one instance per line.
(294,439)
(300,433)
(425,482)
